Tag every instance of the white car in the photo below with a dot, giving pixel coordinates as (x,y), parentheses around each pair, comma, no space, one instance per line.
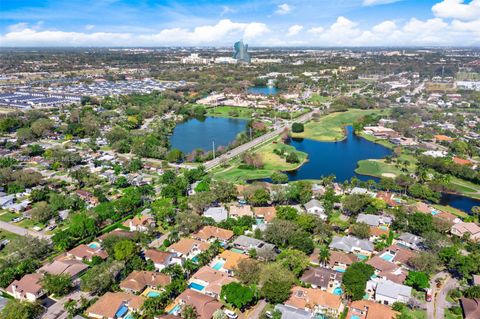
(230,314)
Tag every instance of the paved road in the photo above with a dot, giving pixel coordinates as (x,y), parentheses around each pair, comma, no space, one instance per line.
(23,231)
(436,308)
(255,312)
(57,311)
(245,147)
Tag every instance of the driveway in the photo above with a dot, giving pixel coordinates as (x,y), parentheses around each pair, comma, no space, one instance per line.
(23,231)
(255,312)
(436,308)
(57,311)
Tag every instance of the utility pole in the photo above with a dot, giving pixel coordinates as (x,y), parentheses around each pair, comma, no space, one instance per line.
(213,149)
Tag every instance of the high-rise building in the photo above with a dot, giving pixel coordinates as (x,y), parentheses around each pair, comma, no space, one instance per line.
(240,52)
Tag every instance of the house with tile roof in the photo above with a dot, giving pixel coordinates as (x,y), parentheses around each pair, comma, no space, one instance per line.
(236,211)
(367,309)
(27,288)
(137,281)
(113,305)
(322,278)
(209,281)
(188,248)
(84,252)
(161,259)
(212,233)
(471,230)
(228,261)
(204,305)
(267,214)
(71,267)
(315,300)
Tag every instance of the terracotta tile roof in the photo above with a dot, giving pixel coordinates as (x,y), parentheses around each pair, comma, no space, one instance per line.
(209,232)
(239,211)
(142,220)
(204,305)
(321,277)
(366,309)
(29,283)
(423,208)
(268,213)
(185,245)
(214,279)
(443,138)
(471,308)
(157,256)
(138,280)
(108,304)
(308,298)
(387,197)
(461,161)
(375,231)
(402,255)
(231,259)
(84,252)
(71,267)
(341,257)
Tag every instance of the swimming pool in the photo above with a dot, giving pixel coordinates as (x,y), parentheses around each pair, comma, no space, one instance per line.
(153,294)
(94,245)
(339,269)
(361,257)
(196,286)
(338,291)
(259,221)
(175,310)
(435,212)
(387,256)
(383,227)
(354,317)
(236,250)
(122,311)
(218,265)
(195,259)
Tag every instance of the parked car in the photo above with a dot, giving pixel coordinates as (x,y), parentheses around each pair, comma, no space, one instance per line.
(230,314)
(17,219)
(428,295)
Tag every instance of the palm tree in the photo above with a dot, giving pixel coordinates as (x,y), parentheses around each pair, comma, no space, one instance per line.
(324,256)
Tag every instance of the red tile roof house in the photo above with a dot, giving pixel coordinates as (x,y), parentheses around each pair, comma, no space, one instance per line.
(239,211)
(141,223)
(87,197)
(72,267)
(266,213)
(161,259)
(137,281)
(187,248)
(211,280)
(212,233)
(27,288)
(84,252)
(204,305)
(113,305)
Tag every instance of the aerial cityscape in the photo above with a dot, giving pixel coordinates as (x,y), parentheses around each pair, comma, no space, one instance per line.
(214,159)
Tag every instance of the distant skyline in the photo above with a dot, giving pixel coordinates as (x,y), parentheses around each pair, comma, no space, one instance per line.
(222,22)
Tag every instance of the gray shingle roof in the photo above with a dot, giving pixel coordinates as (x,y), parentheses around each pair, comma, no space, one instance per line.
(293,313)
(349,242)
(393,290)
(313,203)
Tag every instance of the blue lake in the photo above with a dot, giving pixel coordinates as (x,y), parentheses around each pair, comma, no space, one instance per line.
(264,90)
(201,133)
(338,158)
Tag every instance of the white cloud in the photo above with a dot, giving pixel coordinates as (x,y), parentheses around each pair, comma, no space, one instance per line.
(89,27)
(377,2)
(294,30)
(385,27)
(283,8)
(222,32)
(457,9)
(226,10)
(17,27)
(316,30)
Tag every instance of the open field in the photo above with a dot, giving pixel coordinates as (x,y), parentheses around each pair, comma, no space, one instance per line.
(318,99)
(330,128)
(272,163)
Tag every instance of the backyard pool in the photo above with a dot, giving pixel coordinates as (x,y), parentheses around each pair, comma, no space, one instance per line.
(218,265)
(339,269)
(338,291)
(94,245)
(236,250)
(153,294)
(175,310)
(387,256)
(195,286)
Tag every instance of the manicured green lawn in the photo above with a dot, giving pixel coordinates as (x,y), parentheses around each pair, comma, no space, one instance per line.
(451,210)
(318,99)
(272,163)
(247,112)
(377,168)
(331,127)
(7,216)
(6,235)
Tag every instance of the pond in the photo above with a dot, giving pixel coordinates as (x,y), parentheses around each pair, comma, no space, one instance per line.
(201,133)
(264,90)
(338,158)
(459,202)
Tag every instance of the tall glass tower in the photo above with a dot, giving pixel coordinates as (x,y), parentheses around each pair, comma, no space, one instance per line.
(240,52)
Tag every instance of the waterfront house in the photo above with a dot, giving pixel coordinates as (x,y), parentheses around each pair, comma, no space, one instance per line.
(137,281)
(28,288)
(411,241)
(113,305)
(315,300)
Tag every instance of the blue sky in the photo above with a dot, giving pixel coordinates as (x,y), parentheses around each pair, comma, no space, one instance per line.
(219,22)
